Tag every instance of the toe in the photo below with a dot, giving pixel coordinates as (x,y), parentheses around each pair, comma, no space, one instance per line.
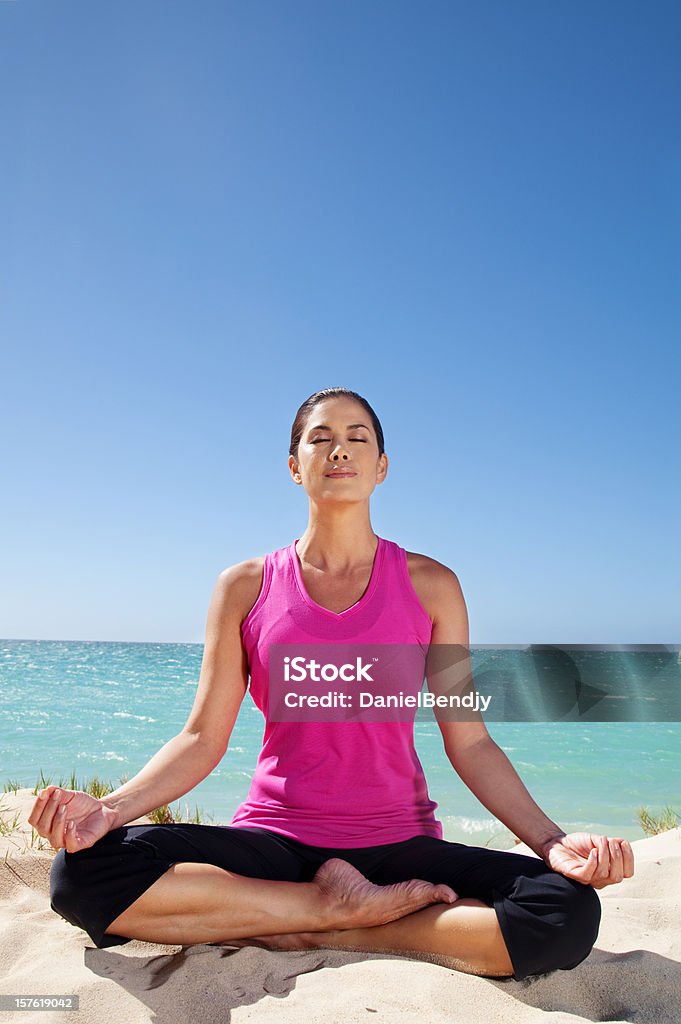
(445,894)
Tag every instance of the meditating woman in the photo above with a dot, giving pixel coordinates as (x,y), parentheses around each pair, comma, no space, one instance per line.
(336,844)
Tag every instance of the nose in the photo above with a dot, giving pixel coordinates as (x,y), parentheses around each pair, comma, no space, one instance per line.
(338,454)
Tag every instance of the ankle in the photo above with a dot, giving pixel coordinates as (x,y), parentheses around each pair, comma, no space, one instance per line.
(331,909)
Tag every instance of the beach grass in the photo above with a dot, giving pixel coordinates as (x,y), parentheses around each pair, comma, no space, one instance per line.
(7,826)
(652,825)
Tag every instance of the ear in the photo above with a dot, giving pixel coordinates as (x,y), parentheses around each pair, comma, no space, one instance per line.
(295,470)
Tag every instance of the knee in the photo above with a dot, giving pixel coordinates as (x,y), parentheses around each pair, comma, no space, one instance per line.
(557,921)
(64,890)
(574,917)
(581,921)
(59,886)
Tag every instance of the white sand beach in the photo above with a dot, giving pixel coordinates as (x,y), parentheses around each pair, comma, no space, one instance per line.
(633,973)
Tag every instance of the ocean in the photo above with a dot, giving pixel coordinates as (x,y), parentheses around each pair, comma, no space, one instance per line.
(104,709)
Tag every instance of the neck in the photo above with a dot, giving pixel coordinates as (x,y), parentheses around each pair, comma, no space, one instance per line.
(338,545)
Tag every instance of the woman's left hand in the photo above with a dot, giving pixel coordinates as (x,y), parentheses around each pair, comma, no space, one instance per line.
(591,859)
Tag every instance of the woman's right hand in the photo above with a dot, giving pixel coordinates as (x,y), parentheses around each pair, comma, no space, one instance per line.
(70,818)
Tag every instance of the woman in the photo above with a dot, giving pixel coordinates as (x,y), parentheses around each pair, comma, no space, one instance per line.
(336,844)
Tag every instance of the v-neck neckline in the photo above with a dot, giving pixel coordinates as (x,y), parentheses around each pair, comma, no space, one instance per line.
(371,586)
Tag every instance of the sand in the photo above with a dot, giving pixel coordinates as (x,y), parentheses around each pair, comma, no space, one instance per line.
(633,973)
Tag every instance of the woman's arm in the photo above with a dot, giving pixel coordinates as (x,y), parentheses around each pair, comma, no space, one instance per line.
(189,757)
(75,820)
(174,770)
(482,764)
(489,774)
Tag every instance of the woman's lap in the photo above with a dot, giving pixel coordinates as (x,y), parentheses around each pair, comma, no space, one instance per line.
(547,920)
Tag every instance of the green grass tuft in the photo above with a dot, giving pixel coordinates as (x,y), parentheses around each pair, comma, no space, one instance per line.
(652,826)
(7,827)
(165,815)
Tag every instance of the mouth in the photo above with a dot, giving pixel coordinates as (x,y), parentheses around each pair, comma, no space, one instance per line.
(340,473)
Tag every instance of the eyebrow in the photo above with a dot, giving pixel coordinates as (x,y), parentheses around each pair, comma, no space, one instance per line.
(352,426)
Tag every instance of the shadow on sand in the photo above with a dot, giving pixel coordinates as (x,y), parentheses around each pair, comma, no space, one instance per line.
(209,981)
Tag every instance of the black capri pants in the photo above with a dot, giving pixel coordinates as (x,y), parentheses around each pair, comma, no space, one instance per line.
(548,921)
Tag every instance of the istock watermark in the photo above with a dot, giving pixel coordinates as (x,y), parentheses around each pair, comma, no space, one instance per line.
(329,682)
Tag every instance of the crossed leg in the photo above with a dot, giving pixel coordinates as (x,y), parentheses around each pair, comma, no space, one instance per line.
(194,902)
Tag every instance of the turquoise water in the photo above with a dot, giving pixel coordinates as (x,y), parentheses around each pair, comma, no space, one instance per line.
(106,708)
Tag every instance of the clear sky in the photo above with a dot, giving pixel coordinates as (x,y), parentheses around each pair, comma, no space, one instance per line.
(468,212)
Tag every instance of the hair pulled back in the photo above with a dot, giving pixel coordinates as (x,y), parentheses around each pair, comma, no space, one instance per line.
(320,396)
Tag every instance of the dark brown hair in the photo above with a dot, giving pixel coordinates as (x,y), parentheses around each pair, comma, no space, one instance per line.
(320,396)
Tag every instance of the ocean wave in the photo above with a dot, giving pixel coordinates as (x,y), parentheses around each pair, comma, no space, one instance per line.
(108,755)
(128,714)
(472,825)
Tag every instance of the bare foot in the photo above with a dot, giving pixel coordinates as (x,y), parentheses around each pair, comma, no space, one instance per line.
(361,904)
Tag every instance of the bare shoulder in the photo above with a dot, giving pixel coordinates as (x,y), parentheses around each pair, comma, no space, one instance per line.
(429,573)
(436,585)
(238,585)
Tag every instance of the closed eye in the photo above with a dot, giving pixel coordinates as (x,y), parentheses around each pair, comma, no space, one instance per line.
(321,440)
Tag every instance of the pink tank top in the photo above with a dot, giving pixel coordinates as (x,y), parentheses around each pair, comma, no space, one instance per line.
(337,784)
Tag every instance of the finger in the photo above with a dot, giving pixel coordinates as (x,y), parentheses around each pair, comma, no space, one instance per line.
(590,869)
(40,814)
(616,861)
(603,858)
(446,894)
(59,827)
(43,817)
(70,840)
(48,819)
(37,808)
(55,835)
(627,859)
(598,881)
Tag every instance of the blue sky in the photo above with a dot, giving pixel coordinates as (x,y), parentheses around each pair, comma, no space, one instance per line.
(468,212)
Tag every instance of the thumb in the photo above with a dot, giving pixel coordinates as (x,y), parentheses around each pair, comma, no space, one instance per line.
(74,840)
(592,859)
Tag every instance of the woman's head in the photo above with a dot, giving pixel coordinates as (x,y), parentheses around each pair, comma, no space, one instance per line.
(303,414)
(336,428)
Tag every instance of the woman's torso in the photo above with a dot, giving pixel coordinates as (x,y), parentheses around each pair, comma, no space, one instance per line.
(342,783)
